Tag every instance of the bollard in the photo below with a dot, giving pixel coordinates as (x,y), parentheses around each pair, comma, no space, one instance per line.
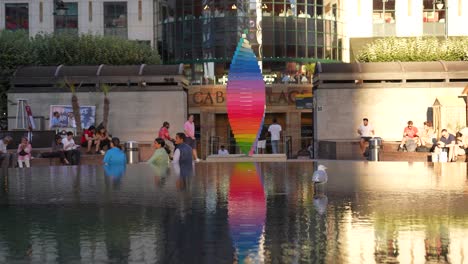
(132,151)
(375,145)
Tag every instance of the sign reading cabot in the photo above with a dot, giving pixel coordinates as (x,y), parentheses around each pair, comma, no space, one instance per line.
(216,96)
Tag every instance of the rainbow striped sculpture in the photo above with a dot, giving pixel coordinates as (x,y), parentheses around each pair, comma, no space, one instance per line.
(245,96)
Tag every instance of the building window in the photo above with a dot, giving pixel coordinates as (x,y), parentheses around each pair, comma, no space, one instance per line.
(16,16)
(434,17)
(140,11)
(41,12)
(90,11)
(68,21)
(115,19)
(384,11)
(383,17)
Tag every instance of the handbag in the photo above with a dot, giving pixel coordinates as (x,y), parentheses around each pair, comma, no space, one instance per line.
(23,153)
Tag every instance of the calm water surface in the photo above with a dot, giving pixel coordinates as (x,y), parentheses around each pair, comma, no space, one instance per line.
(236,213)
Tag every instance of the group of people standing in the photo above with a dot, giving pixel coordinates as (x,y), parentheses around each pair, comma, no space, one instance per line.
(181,149)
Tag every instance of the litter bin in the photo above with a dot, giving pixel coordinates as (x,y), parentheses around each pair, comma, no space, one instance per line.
(132,151)
(375,145)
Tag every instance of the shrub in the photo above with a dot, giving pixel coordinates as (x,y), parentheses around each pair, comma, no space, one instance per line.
(415,49)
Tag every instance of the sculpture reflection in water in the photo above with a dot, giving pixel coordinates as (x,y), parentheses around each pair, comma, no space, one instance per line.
(115,172)
(246,212)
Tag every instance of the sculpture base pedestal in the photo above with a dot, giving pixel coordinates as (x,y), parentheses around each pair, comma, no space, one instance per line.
(245,158)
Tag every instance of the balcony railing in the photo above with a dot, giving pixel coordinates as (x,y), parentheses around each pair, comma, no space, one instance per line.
(433,29)
(68,31)
(118,32)
(384,29)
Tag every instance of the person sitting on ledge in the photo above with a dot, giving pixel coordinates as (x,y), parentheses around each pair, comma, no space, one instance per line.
(427,136)
(57,150)
(462,145)
(223,151)
(410,138)
(24,153)
(6,159)
(447,141)
(72,150)
(366,131)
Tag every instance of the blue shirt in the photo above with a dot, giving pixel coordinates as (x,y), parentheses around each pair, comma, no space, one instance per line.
(55,122)
(115,156)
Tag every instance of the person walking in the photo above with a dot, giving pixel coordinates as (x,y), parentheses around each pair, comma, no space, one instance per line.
(115,155)
(164,134)
(275,132)
(183,152)
(160,156)
(261,143)
(189,129)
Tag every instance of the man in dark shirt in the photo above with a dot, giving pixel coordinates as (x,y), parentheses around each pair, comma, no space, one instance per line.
(448,141)
(182,154)
(57,151)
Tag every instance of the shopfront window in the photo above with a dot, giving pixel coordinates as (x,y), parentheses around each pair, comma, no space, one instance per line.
(115,19)
(67,22)
(16,16)
(383,17)
(434,17)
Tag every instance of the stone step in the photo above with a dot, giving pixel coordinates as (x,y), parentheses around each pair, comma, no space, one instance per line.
(405,156)
(85,159)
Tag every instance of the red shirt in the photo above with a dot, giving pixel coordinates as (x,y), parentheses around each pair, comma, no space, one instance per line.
(410,132)
(164,133)
(86,132)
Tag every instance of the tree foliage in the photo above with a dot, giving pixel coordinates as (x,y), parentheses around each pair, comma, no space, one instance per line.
(18,49)
(415,49)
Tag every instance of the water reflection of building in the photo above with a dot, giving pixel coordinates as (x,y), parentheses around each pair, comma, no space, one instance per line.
(369,217)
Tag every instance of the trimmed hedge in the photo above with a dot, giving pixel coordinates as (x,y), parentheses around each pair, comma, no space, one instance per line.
(415,49)
(17,49)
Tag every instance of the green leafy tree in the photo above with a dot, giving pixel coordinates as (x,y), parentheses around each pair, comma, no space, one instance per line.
(310,69)
(106,107)
(15,50)
(75,105)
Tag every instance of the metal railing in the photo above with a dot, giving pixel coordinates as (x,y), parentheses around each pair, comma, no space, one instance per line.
(285,146)
(384,29)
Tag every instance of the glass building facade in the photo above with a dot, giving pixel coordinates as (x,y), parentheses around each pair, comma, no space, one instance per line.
(285,35)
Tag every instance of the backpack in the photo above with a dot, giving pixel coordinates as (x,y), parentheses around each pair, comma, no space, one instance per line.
(422,149)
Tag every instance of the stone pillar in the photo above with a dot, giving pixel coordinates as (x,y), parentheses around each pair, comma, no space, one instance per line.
(293,129)
(207,129)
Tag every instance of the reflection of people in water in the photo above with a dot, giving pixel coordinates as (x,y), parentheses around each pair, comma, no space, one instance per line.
(160,173)
(184,171)
(114,170)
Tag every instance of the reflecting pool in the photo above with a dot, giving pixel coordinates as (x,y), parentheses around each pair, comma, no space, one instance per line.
(369,212)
